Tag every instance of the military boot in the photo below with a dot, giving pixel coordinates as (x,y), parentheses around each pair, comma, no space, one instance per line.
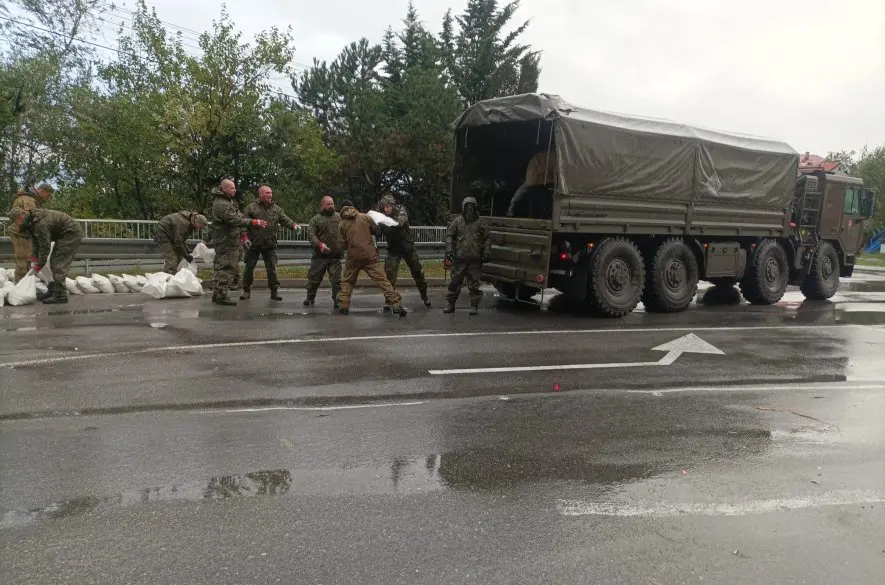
(59,296)
(399,310)
(49,288)
(450,307)
(247,294)
(223,300)
(474,309)
(426,300)
(308,302)
(275,295)
(386,308)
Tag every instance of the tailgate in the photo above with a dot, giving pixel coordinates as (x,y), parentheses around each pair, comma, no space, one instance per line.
(520,250)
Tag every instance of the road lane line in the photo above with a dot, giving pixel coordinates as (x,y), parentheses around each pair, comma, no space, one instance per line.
(407,336)
(767,387)
(748,507)
(312,408)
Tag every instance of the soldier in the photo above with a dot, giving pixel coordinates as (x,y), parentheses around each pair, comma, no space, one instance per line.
(171,237)
(27,198)
(240,202)
(356,231)
(262,241)
(401,246)
(45,226)
(227,223)
(325,240)
(467,248)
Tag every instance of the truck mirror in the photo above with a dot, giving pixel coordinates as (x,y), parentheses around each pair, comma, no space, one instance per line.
(867,203)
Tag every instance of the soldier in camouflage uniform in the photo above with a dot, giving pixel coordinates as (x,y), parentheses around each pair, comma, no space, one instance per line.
(262,241)
(28,198)
(45,226)
(467,248)
(240,202)
(227,225)
(401,246)
(171,237)
(322,231)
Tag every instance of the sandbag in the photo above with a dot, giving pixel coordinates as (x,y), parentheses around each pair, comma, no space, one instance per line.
(188,282)
(24,292)
(131,283)
(4,290)
(202,252)
(72,288)
(86,286)
(159,286)
(379,218)
(141,280)
(103,284)
(189,266)
(45,273)
(118,284)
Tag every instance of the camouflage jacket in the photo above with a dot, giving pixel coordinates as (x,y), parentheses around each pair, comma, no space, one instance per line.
(399,238)
(47,226)
(26,200)
(324,229)
(174,229)
(273,214)
(227,223)
(468,241)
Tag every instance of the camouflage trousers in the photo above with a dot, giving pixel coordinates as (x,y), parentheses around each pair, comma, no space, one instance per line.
(23,250)
(269,255)
(373,270)
(225,269)
(62,256)
(465,270)
(319,266)
(240,254)
(391,267)
(171,259)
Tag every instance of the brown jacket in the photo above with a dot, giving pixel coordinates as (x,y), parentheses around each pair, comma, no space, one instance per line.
(356,235)
(26,200)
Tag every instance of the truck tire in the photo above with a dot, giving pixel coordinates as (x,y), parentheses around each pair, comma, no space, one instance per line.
(617,278)
(766,279)
(823,277)
(671,281)
(723,281)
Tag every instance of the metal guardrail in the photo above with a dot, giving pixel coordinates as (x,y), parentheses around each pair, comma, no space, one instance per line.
(142,229)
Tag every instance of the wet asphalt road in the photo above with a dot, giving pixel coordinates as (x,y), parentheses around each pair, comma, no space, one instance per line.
(174,441)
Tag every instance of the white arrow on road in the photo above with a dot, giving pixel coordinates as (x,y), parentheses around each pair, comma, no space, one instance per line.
(690,343)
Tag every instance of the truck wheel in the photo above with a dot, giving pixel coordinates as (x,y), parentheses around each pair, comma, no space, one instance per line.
(617,276)
(723,281)
(823,277)
(766,279)
(672,278)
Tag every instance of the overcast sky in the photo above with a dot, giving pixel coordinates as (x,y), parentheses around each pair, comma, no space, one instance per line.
(809,72)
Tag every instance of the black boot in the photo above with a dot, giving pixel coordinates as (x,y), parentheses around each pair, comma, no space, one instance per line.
(474,310)
(59,296)
(223,300)
(308,302)
(450,307)
(247,294)
(399,310)
(274,295)
(49,288)
(426,300)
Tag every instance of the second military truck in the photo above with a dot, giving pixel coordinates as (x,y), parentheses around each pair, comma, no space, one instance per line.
(612,209)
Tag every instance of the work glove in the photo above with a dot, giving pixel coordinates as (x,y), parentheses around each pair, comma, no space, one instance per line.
(259,223)
(447,262)
(189,258)
(245,240)
(34,266)
(295,226)
(324,248)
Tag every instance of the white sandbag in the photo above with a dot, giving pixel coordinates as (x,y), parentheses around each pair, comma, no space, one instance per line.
(103,284)
(24,292)
(174,291)
(141,280)
(45,273)
(86,286)
(380,219)
(189,266)
(204,253)
(4,290)
(131,283)
(4,278)
(118,284)
(188,282)
(159,286)
(72,288)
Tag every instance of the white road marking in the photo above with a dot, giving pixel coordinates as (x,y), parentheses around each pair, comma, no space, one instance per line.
(769,387)
(268,342)
(670,509)
(313,408)
(690,343)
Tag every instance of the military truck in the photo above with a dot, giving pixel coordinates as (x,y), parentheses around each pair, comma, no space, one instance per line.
(611,209)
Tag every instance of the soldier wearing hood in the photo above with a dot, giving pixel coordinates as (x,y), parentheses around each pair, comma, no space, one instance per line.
(171,237)
(401,246)
(467,248)
(355,232)
(27,199)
